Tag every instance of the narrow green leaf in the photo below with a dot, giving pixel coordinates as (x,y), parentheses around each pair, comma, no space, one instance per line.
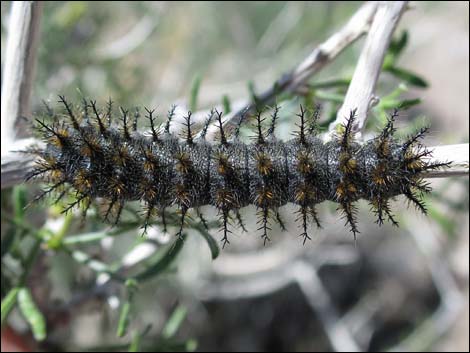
(55,241)
(174,322)
(136,338)
(31,313)
(19,202)
(389,61)
(124,319)
(387,104)
(9,302)
(213,244)
(397,92)
(407,76)
(135,343)
(124,227)
(191,345)
(397,45)
(226,104)
(329,96)
(395,49)
(85,238)
(408,103)
(162,263)
(331,84)
(19,229)
(131,285)
(196,84)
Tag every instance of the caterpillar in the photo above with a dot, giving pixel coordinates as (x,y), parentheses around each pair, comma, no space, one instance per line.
(101,157)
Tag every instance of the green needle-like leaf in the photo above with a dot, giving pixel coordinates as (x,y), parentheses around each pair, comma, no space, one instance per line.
(174,322)
(31,313)
(9,302)
(163,262)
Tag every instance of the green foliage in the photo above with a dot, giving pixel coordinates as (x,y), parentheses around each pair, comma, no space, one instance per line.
(9,302)
(174,322)
(124,317)
(407,76)
(196,84)
(20,231)
(31,313)
(213,244)
(161,261)
(390,63)
(226,104)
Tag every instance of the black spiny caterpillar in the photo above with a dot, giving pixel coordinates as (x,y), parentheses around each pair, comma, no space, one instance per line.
(101,157)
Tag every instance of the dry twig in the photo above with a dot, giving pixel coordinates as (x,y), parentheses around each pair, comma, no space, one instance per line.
(18,72)
(361,91)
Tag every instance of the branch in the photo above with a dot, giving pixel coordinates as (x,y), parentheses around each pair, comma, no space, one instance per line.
(361,91)
(317,296)
(457,154)
(314,62)
(15,165)
(18,72)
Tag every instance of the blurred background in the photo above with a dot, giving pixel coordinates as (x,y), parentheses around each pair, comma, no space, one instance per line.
(398,289)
